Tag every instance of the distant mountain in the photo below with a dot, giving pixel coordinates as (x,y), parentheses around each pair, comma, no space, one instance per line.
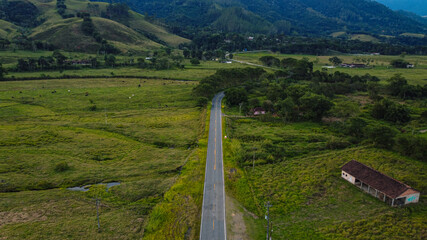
(41,20)
(416,6)
(308,17)
(414,16)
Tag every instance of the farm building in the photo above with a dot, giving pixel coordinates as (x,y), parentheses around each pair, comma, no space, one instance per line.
(383,187)
(258,111)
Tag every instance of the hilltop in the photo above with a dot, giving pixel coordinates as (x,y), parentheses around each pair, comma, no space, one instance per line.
(61,25)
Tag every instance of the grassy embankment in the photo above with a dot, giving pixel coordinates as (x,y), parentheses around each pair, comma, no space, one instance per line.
(381,65)
(104,130)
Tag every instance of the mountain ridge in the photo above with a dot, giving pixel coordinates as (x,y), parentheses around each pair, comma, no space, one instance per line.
(307,17)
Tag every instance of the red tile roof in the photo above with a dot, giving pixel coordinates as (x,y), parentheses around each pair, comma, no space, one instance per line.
(375,179)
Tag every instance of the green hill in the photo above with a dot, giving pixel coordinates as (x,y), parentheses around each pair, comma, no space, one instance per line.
(130,32)
(8,30)
(308,17)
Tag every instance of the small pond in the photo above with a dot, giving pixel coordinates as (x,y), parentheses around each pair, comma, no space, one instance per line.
(86,187)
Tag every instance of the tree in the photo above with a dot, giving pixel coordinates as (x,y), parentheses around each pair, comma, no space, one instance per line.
(60,59)
(381,136)
(186,53)
(412,146)
(399,63)
(110,60)
(390,111)
(374,90)
(22,65)
(396,84)
(94,62)
(2,72)
(202,101)
(345,109)
(356,127)
(314,106)
(335,60)
(195,61)
(235,96)
(270,61)
(287,109)
(87,26)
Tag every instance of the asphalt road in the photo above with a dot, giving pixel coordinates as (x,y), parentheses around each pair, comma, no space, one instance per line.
(213,225)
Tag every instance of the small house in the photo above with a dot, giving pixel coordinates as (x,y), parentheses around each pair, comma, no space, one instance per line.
(258,111)
(353,65)
(381,186)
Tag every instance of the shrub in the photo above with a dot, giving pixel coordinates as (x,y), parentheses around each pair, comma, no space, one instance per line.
(62,167)
(381,136)
(92,108)
(195,61)
(412,146)
(202,101)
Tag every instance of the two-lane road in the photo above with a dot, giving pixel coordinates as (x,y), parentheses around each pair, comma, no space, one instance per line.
(213,225)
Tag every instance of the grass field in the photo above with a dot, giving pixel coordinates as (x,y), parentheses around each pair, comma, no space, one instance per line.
(105,130)
(309,198)
(381,65)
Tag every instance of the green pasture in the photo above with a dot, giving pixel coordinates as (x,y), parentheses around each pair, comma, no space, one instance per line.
(104,130)
(380,66)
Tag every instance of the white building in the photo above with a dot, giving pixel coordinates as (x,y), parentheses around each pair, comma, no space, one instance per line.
(383,187)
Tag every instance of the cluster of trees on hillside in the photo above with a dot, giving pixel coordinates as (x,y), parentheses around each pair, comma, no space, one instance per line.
(89,29)
(118,12)
(232,42)
(22,42)
(21,13)
(61,8)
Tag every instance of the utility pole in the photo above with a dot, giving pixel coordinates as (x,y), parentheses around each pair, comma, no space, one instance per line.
(268,205)
(240,108)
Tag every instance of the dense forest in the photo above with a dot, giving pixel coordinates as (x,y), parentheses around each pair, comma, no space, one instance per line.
(307,17)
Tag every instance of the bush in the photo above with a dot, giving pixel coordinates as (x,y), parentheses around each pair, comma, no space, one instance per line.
(412,146)
(202,101)
(337,143)
(92,108)
(62,167)
(391,111)
(195,61)
(381,136)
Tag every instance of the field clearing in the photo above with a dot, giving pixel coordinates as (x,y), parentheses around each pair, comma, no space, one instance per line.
(310,199)
(382,69)
(105,130)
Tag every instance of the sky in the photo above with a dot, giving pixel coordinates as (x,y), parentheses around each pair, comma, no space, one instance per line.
(417,6)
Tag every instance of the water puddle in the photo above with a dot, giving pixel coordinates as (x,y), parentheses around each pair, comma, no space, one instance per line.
(86,187)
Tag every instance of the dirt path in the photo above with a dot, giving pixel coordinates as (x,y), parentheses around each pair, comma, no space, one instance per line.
(236,227)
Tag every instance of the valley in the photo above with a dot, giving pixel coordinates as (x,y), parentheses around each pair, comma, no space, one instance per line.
(210,119)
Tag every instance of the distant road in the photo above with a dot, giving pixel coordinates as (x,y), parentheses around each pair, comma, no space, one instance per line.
(253,64)
(213,225)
